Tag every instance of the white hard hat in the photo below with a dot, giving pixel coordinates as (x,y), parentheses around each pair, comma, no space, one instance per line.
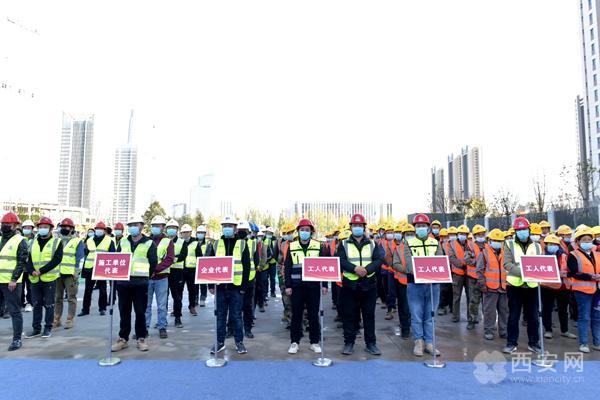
(201,228)
(270,229)
(185,228)
(172,222)
(135,220)
(28,223)
(262,228)
(228,219)
(260,233)
(158,220)
(243,225)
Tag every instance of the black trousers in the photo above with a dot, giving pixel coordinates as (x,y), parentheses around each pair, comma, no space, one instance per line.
(356,301)
(12,301)
(561,297)
(271,272)
(526,299)
(381,293)
(176,285)
(133,295)
(189,276)
(26,292)
(305,296)
(43,301)
(403,310)
(260,281)
(89,290)
(446,295)
(248,307)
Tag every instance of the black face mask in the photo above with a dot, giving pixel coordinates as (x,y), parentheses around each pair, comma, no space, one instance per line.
(6,229)
(65,231)
(242,234)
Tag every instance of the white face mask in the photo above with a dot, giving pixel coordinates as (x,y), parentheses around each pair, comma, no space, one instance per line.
(389,236)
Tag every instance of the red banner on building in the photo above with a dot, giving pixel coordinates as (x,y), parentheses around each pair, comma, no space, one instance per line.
(541,269)
(112,266)
(431,269)
(214,270)
(321,269)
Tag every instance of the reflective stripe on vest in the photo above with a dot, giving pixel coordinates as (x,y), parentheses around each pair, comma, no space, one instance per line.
(398,275)
(104,245)
(238,250)
(69,260)
(472,267)
(388,247)
(252,246)
(422,248)
(494,272)
(191,261)
(41,257)
(161,252)
(532,250)
(459,253)
(585,266)
(8,259)
(140,266)
(297,254)
(358,257)
(178,246)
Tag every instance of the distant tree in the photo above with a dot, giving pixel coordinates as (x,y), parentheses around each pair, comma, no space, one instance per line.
(506,203)
(539,191)
(185,219)
(587,181)
(153,210)
(476,208)
(198,219)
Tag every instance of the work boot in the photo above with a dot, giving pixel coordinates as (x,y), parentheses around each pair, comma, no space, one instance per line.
(418,349)
(56,322)
(455,319)
(119,345)
(193,311)
(47,333)
(429,349)
(373,349)
(548,335)
(142,345)
(162,333)
(15,345)
(348,349)
(470,326)
(178,323)
(69,323)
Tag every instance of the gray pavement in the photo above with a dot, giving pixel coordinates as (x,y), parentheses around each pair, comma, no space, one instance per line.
(88,339)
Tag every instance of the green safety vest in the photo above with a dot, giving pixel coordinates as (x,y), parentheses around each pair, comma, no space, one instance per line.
(422,248)
(360,258)
(41,257)
(140,266)
(104,245)
(68,265)
(517,253)
(8,259)
(297,254)
(252,249)
(178,245)
(238,268)
(272,260)
(191,260)
(161,252)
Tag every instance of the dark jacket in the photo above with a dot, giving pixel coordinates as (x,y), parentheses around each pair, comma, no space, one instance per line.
(152,260)
(377,260)
(291,283)
(53,263)
(229,246)
(22,255)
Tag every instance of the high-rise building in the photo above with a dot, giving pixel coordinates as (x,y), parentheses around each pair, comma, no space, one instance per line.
(125,176)
(202,197)
(438,195)
(464,175)
(371,210)
(583,145)
(76,151)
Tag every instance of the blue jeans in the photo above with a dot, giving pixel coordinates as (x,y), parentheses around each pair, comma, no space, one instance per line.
(419,302)
(588,306)
(160,289)
(229,300)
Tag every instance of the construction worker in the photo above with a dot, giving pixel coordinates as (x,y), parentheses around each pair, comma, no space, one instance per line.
(445,305)
(230,296)
(536,234)
(44,268)
(176,280)
(420,300)
(261,281)
(14,256)
(283,245)
(271,267)
(401,279)
(158,285)
(304,294)
(133,294)
(331,246)
(28,234)
(70,267)
(389,246)
(545,227)
(458,253)
(491,281)
(197,247)
(479,239)
(584,270)
(436,227)
(119,232)
(564,232)
(556,293)
(521,295)
(509,234)
(596,232)
(360,259)
(99,242)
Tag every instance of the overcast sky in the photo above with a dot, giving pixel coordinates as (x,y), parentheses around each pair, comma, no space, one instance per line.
(282,101)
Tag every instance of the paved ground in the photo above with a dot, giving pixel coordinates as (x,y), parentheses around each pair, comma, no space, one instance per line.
(88,340)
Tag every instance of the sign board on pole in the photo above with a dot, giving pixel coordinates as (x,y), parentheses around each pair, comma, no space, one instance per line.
(541,269)
(431,269)
(112,266)
(321,269)
(214,270)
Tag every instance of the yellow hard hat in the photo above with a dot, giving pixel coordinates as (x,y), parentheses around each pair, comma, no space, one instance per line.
(496,234)
(452,230)
(478,229)
(584,232)
(596,230)
(389,227)
(287,228)
(345,234)
(544,224)
(408,228)
(535,229)
(564,230)
(463,229)
(399,228)
(436,222)
(552,239)
(443,232)
(511,231)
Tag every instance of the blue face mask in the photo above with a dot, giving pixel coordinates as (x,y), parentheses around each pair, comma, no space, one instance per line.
(99,232)
(358,230)
(172,232)
(200,236)
(523,235)
(398,236)
(133,230)
(27,231)
(304,235)
(118,232)
(90,234)
(155,230)
(286,237)
(451,238)
(43,231)
(435,231)
(552,248)
(480,239)
(462,237)
(228,232)
(586,246)
(422,232)
(567,240)
(496,245)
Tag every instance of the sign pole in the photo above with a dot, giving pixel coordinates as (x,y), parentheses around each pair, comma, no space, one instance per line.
(109,360)
(216,362)
(541,361)
(434,362)
(322,361)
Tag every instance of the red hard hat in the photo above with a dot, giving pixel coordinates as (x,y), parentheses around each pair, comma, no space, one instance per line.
(358,219)
(305,222)
(100,225)
(67,222)
(420,219)
(119,225)
(521,223)
(45,221)
(10,218)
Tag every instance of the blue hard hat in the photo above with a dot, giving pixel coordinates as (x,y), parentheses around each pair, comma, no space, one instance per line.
(253,227)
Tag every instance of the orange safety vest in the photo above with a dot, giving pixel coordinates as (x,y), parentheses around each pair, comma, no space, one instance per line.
(284,249)
(564,247)
(566,282)
(446,247)
(584,265)
(389,251)
(471,268)
(401,276)
(460,253)
(495,274)
(332,250)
